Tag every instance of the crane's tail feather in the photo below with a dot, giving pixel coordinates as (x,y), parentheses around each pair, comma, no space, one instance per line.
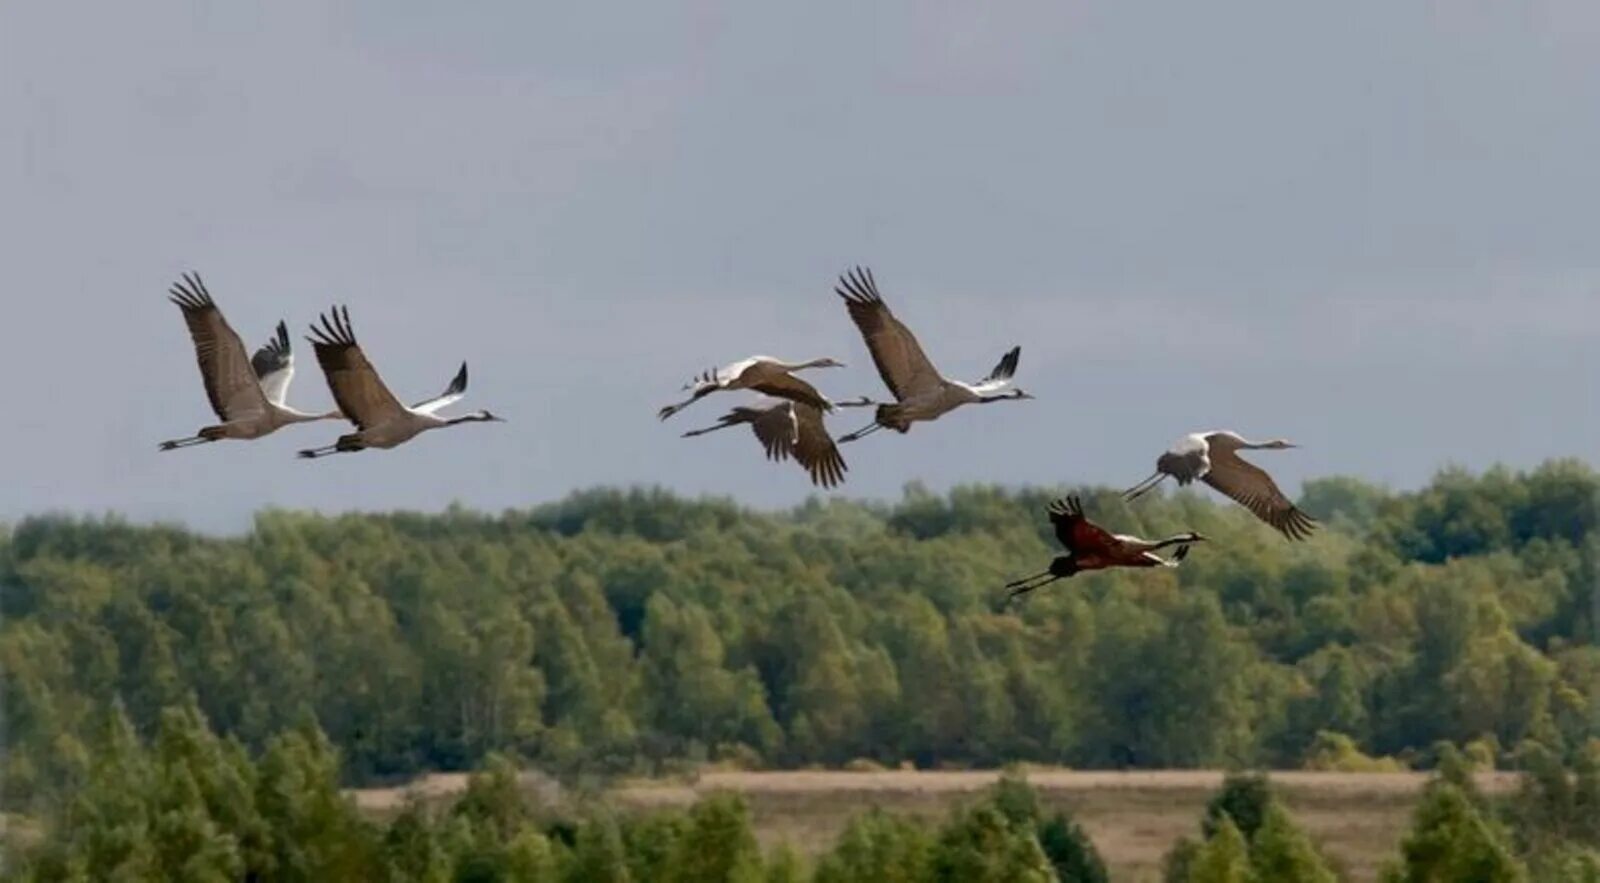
(710,376)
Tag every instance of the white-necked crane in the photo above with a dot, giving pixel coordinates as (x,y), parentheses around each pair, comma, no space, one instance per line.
(920,391)
(763,374)
(1091,547)
(246,392)
(381,421)
(790,429)
(1213,457)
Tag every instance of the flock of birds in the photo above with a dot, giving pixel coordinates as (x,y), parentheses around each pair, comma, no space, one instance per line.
(249,395)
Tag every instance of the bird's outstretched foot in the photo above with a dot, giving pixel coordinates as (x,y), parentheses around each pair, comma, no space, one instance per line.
(666,412)
(168,446)
(862,402)
(1005,603)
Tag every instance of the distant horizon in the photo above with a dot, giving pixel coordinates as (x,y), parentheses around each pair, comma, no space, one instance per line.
(1165,491)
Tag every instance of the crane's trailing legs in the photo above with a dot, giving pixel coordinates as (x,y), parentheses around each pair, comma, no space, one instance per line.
(1027,584)
(190,442)
(699,394)
(703,430)
(1143,487)
(861,433)
(208,434)
(346,444)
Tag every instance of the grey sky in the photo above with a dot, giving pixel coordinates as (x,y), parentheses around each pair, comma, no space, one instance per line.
(1368,226)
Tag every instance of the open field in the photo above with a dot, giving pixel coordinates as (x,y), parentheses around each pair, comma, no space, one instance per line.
(1133,816)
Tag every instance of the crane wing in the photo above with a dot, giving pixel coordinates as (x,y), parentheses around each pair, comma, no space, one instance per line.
(763,377)
(355,384)
(452,394)
(1000,377)
(1077,533)
(775,428)
(230,382)
(904,367)
(1251,487)
(815,449)
(274,366)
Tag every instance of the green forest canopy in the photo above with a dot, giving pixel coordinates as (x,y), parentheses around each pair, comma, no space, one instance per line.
(617,631)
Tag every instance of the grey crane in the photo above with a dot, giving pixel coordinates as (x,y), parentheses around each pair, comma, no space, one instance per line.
(381,421)
(1213,457)
(764,374)
(920,391)
(790,429)
(248,393)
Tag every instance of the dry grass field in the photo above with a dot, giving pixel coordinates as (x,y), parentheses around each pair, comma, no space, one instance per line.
(1133,816)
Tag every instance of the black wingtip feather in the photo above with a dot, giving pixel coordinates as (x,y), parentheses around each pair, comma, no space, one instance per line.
(858,286)
(1069,506)
(189,293)
(459,384)
(334,329)
(1298,525)
(1006,368)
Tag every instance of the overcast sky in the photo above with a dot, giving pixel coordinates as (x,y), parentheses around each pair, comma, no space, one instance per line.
(1368,226)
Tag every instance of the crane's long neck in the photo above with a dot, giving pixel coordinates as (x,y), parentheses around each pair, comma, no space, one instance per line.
(467,418)
(1244,444)
(290,415)
(801,366)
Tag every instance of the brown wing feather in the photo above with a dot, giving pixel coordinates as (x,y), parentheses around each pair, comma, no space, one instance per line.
(815,449)
(902,364)
(1077,533)
(356,387)
(781,384)
(774,428)
(230,381)
(1251,487)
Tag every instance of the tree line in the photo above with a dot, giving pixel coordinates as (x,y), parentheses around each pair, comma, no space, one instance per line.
(629,631)
(188,806)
